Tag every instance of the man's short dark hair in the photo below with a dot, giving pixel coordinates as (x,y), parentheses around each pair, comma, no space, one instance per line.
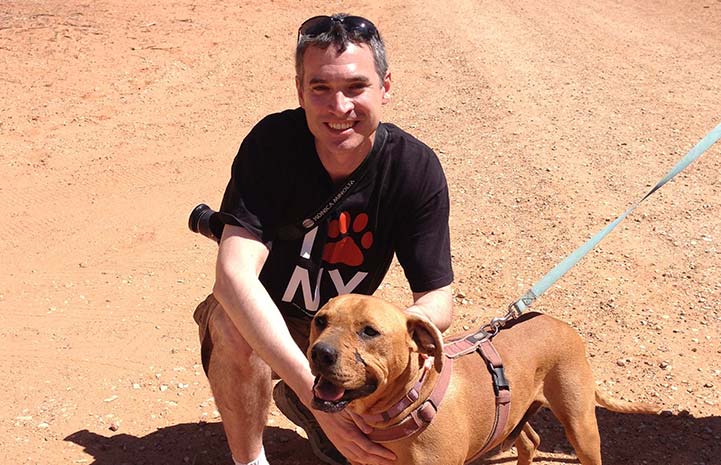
(339,37)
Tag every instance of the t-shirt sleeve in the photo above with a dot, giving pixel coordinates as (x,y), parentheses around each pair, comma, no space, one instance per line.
(243,203)
(423,240)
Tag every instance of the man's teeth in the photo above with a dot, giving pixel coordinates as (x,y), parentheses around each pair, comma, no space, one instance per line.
(340,126)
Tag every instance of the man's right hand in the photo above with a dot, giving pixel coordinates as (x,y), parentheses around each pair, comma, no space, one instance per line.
(348,432)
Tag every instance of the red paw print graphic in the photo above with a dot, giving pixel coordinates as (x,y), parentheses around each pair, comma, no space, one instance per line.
(345,249)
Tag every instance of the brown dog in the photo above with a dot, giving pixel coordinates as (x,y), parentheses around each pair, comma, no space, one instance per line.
(367,354)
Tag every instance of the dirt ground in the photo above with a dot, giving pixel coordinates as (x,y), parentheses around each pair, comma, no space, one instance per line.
(550,118)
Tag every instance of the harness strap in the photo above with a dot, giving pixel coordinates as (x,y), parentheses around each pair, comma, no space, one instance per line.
(458,347)
(502,391)
(421,417)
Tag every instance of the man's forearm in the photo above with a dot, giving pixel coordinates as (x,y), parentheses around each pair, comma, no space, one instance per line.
(255,315)
(436,305)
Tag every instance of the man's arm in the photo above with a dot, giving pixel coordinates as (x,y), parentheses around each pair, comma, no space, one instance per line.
(436,305)
(255,315)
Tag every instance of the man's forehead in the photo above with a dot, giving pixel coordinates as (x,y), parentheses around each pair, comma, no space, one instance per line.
(323,78)
(355,62)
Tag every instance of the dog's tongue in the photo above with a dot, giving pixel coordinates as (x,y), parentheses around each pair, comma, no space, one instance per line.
(326,390)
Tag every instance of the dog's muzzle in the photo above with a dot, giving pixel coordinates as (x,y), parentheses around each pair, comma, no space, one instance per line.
(331,392)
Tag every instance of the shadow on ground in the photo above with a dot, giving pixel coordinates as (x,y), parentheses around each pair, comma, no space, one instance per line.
(626,440)
(187,443)
(634,439)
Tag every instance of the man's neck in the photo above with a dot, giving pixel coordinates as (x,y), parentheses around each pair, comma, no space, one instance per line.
(340,165)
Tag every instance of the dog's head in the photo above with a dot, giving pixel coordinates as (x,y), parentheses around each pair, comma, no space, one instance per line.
(362,347)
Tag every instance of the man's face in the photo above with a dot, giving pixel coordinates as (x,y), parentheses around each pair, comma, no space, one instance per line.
(342,96)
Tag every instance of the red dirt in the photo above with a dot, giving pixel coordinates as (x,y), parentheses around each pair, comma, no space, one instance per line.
(550,118)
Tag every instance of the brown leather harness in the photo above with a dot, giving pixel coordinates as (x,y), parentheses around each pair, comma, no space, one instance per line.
(420,417)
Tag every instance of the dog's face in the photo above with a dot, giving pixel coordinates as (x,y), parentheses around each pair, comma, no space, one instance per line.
(360,346)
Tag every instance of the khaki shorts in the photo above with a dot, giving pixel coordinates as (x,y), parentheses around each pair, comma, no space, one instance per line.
(299,328)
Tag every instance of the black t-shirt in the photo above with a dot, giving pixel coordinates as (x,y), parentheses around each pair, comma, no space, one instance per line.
(399,206)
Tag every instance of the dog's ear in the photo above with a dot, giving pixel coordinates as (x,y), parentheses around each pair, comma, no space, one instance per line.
(425,337)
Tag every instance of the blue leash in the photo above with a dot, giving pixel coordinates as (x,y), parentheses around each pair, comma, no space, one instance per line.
(518,307)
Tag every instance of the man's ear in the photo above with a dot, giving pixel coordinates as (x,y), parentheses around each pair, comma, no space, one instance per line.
(425,338)
(387,88)
(299,90)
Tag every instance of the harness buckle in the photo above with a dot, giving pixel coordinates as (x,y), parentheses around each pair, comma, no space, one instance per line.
(427,411)
(499,379)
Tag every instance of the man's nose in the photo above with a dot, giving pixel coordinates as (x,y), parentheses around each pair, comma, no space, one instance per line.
(341,104)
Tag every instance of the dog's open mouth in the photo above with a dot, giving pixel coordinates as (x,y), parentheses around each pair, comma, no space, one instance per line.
(332,398)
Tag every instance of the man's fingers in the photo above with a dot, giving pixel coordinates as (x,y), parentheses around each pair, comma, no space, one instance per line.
(358,454)
(374,453)
(348,433)
(360,423)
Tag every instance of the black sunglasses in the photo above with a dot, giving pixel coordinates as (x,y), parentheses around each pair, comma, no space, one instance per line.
(355,25)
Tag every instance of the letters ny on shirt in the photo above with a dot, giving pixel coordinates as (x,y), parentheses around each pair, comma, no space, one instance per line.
(348,238)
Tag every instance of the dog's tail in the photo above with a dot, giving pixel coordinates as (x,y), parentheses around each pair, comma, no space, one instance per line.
(626,407)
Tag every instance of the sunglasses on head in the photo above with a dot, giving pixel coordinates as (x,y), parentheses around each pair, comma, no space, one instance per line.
(355,25)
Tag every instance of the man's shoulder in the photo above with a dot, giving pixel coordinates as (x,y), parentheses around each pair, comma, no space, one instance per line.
(287,123)
(400,135)
(405,147)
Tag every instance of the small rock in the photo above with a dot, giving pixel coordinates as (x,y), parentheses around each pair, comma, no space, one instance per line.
(110,399)
(621,362)
(114,427)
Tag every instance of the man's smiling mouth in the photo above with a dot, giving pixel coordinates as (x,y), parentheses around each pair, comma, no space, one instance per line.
(341,126)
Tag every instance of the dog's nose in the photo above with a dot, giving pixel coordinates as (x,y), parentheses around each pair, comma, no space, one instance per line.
(323,355)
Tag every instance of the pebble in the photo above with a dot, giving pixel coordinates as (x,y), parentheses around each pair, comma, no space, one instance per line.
(114,427)
(110,399)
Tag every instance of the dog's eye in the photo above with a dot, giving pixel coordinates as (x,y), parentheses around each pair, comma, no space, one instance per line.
(321,322)
(369,332)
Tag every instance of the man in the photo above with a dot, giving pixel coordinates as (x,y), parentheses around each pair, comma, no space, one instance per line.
(375,190)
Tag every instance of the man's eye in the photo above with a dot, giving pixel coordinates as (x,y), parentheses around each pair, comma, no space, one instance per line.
(369,332)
